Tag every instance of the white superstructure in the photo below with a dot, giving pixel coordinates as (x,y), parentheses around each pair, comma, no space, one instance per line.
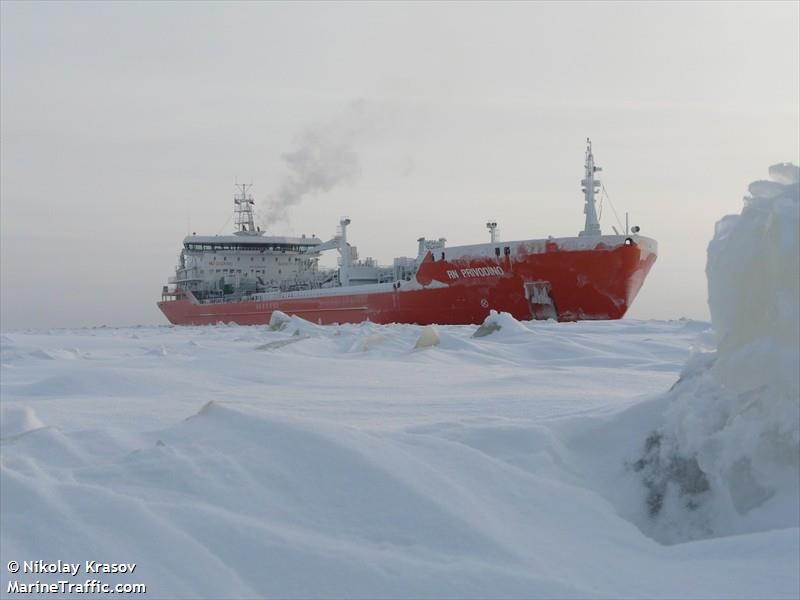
(221,264)
(248,263)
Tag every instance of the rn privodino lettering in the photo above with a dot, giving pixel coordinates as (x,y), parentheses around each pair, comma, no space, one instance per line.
(475,272)
(89,566)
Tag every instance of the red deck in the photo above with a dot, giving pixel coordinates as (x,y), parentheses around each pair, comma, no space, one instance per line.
(570,285)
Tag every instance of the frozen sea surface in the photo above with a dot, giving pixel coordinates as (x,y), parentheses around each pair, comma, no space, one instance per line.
(342,462)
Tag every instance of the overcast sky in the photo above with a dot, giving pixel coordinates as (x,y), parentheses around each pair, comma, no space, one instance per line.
(123,126)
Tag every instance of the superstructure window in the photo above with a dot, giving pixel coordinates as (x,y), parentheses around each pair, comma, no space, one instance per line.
(266,247)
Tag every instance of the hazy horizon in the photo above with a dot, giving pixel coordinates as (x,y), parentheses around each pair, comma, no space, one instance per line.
(123,126)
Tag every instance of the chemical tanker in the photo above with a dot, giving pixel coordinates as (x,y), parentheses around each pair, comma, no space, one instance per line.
(244,277)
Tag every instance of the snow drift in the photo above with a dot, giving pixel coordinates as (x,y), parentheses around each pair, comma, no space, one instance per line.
(727,457)
(497,322)
(347,464)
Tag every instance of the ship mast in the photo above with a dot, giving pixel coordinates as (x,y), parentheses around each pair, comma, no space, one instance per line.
(492,227)
(243,208)
(590,186)
(344,251)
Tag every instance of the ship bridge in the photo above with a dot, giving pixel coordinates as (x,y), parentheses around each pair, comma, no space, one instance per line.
(214,243)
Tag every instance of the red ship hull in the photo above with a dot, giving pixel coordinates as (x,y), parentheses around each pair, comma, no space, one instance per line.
(563,279)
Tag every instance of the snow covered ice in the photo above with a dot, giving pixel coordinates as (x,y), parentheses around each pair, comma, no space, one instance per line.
(349,464)
(533,460)
(729,449)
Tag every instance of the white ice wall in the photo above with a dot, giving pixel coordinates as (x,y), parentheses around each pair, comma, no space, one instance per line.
(735,413)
